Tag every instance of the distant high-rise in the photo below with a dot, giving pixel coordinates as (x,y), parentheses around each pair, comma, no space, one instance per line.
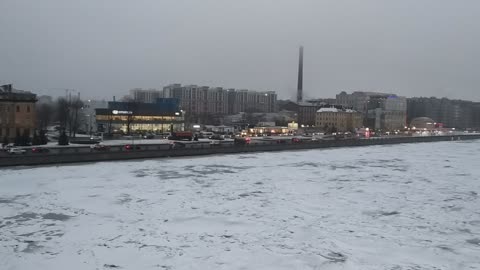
(145,95)
(300,76)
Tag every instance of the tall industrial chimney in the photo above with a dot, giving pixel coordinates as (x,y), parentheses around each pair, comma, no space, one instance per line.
(300,76)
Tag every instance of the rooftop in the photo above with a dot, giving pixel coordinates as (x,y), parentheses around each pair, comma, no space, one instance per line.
(334,109)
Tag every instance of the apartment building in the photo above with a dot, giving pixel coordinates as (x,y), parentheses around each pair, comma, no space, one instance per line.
(219,101)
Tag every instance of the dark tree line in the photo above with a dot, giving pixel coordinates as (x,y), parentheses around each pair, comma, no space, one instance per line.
(69,115)
(66,113)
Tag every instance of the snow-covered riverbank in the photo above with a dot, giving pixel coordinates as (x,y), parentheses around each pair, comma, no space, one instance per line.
(409,206)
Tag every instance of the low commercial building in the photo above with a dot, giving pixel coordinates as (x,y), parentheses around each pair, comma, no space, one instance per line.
(220,129)
(17,113)
(128,117)
(269,131)
(423,123)
(336,119)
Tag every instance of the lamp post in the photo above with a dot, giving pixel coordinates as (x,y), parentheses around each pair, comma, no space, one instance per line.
(90,124)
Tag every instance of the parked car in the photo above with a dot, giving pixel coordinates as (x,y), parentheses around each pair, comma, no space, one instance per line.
(16,151)
(40,150)
(242,141)
(100,147)
(132,147)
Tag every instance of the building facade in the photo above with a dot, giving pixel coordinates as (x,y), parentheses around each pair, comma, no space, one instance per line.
(451,113)
(200,100)
(128,117)
(305,112)
(89,124)
(341,120)
(381,111)
(17,113)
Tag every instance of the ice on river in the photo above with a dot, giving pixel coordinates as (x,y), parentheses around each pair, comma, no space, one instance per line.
(398,207)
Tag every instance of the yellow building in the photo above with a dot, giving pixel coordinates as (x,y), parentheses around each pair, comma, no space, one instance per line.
(342,120)
(17,113)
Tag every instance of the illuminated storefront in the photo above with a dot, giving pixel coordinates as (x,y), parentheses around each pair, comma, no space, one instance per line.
(269,131)
(159,117)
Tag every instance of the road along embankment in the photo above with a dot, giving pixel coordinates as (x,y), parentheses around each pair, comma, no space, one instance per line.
(76,154)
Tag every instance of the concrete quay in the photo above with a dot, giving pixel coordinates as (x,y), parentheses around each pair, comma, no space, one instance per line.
(85,154)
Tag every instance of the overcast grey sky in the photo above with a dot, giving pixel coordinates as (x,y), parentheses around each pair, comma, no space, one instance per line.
(106,47)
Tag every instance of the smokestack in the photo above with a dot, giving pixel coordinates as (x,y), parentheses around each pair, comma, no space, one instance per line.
(300,76)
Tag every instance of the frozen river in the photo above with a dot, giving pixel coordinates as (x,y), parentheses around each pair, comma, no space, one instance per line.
(398,207)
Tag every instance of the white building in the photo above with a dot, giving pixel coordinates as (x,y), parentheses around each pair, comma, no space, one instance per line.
(89,106)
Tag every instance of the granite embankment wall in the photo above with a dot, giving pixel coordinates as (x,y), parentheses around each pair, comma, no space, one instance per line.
(74,155)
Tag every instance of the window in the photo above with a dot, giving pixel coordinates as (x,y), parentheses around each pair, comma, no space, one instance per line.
(18,108)
(28,109)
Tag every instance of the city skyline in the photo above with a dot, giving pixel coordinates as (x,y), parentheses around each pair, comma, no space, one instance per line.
(101,50)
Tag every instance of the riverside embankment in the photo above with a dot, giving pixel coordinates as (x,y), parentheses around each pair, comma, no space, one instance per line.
(85,154)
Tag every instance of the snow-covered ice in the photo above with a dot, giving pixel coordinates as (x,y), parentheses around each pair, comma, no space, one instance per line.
(397,207)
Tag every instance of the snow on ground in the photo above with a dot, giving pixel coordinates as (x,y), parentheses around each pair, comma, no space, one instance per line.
(397,207)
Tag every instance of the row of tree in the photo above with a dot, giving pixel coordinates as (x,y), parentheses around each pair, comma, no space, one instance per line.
(64,111)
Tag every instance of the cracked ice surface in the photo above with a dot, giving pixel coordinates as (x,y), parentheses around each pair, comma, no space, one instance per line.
(399,207)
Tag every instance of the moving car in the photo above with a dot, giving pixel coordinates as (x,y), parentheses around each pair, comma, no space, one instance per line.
(148,136)
(216,137)
(8,146)
(181,135)
(132,147)
(17,151)
(40,150)
(100,147)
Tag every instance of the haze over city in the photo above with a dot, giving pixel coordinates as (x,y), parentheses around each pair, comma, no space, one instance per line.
(105,48)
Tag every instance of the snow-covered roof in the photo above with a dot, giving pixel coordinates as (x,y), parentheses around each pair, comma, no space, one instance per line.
(328,109)
(333,109)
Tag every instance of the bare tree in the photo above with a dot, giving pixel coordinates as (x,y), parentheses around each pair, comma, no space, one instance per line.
(110,122)
(44,115)
(132,106)
(131,109)
(69,115)
(63,112)
(75,106)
